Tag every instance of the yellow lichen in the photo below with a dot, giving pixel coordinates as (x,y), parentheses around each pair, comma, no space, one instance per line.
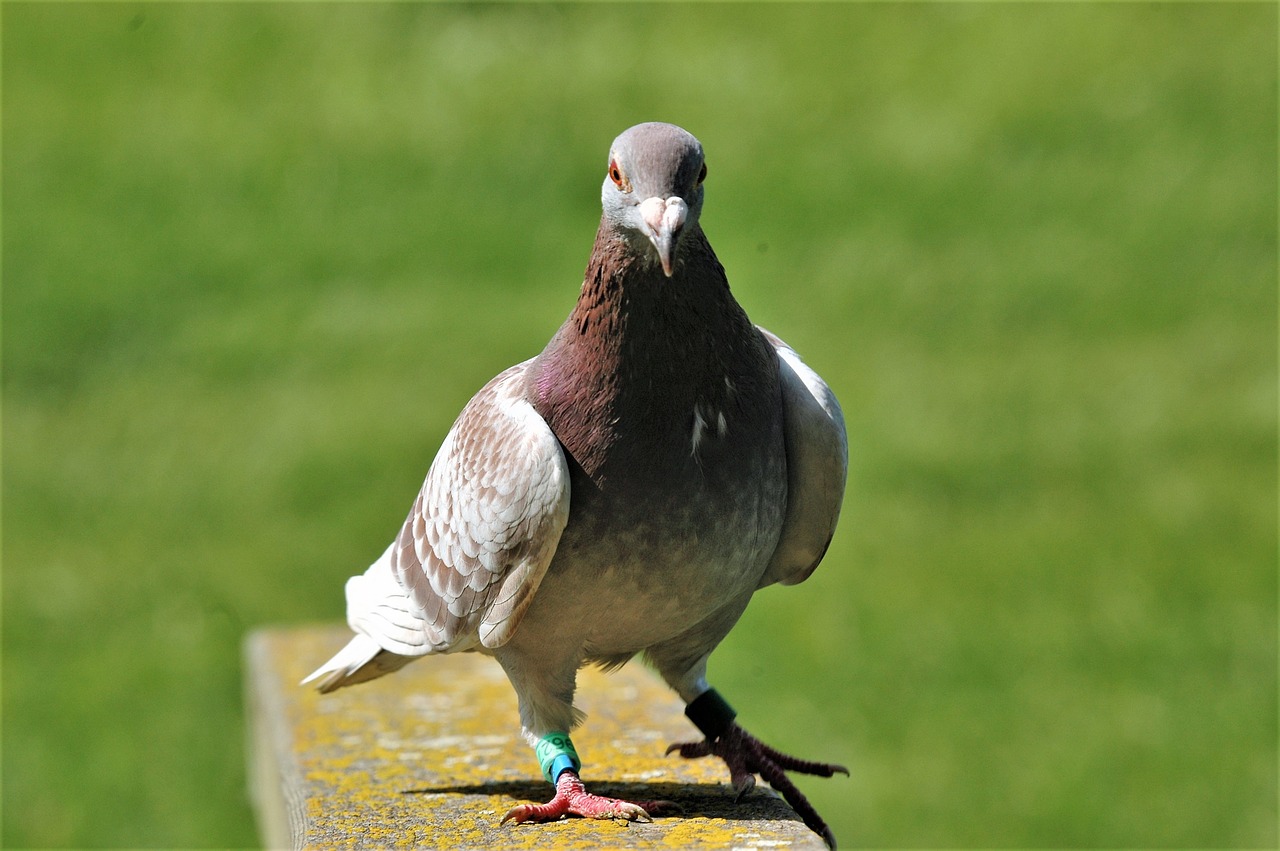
(432,757)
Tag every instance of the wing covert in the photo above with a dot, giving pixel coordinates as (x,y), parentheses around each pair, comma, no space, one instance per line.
(487,521)
(817,466)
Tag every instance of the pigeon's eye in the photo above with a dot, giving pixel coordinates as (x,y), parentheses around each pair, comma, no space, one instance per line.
(619,179)
(702,175)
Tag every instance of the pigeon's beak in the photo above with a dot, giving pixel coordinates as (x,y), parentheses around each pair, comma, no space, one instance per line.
(663,220)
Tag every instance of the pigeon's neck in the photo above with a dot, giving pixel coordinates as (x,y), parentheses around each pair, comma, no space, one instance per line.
(644,362)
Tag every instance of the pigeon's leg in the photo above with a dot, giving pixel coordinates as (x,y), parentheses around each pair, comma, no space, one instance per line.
(545,691)
(560,760)
(747,756)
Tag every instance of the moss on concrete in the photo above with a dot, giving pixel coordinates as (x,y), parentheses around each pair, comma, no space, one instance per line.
(432,756)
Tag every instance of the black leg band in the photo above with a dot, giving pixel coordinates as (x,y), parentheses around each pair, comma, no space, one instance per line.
(710,713)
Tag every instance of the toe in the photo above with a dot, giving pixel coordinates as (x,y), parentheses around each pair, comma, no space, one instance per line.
(690,750)
(593,806)
(631,812)
(521,814)
(742,784)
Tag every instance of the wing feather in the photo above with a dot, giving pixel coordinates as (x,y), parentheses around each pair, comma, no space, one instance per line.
(817,466)
(479,537)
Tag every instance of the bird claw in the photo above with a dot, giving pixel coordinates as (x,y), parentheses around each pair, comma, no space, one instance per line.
(747,756)
(690,750)
(624,810)
(593,806)
(573,799)
(521,814)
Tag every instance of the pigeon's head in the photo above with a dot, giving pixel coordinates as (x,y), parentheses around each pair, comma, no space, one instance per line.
(652,190)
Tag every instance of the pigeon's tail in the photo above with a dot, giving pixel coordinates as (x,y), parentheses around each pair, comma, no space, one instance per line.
(361,660)
(390,631)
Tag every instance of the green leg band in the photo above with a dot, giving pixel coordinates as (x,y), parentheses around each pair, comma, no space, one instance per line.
(556,754)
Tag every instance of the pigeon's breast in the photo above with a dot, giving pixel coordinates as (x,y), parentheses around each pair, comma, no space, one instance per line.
(648,556)
(669,412)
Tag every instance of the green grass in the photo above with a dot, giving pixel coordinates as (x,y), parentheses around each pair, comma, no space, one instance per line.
(256,258)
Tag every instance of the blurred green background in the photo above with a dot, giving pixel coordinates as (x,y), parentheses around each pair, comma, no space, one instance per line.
(256,257)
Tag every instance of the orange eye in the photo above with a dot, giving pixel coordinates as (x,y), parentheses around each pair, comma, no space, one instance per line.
(702,175)
(615,174)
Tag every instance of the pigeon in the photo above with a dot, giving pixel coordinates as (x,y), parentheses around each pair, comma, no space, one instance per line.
(625,492)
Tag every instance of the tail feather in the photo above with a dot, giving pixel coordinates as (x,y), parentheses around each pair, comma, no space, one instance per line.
(361,660)
(382,616)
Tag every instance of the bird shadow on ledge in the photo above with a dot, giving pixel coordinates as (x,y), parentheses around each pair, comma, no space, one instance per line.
(696,800)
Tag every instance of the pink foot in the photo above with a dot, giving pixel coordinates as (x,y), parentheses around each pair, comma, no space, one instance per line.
(747,756)
(573,799)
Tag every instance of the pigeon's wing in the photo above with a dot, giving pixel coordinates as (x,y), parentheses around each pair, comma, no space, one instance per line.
(817,464)
(484,527)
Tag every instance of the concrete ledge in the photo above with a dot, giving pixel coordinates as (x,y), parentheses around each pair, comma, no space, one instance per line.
(432,757)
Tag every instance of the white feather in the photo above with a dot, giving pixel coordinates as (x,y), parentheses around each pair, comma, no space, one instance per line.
(390,631)
(362,659)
